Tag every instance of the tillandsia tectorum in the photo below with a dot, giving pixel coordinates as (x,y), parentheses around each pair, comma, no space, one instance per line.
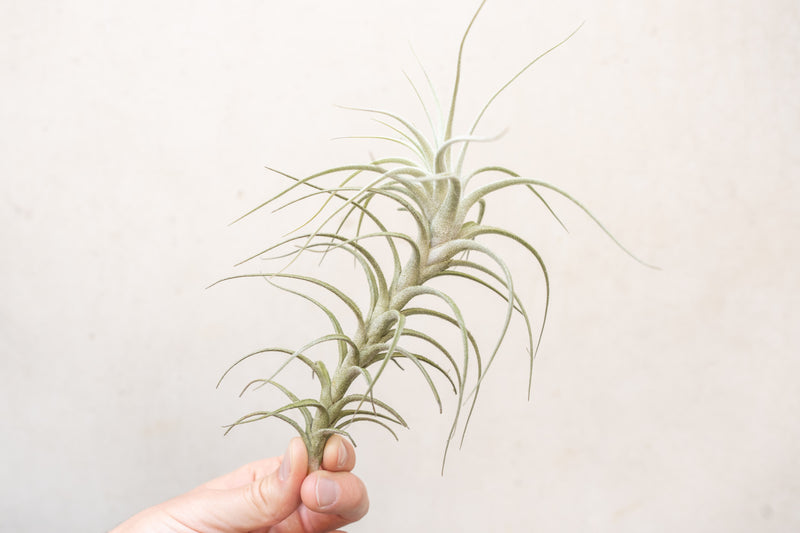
(446,208)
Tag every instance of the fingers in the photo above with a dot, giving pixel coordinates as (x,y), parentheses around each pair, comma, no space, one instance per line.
(261,503)
(265,493)
(339,455)
(334,498)
(244,474)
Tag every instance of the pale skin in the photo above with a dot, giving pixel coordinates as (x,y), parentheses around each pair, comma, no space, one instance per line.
(275,495)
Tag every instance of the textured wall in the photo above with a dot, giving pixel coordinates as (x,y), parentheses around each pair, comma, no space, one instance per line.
(131,133)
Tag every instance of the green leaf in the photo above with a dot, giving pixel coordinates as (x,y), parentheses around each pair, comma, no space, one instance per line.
(520,307)
(306,180)
(400,321)
(361,398)
(476,279)
(405,353)
(331,316)
(279,416)
(402,299)
(422,103)
(422,142)
(261,415)
(289,394)
(367,419)
(424,336)
(379,290)
(342,296)
(404,144)
(452,112)
(393,174)
(302,358)
(411,144)
(441,154)
(462,244)
(315,342)
(335,431)
(389,192)
(546,205)
(488,230)
(417,359)
(416,253)
(463,153)
(345,413)
(433,93)
(378,223)
(482,191)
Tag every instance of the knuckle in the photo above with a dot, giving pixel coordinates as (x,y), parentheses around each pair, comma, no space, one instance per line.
(259,496)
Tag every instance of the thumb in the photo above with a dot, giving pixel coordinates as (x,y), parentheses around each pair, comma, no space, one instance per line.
(262,503)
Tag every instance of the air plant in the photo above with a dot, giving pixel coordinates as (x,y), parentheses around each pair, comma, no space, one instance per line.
(446,210)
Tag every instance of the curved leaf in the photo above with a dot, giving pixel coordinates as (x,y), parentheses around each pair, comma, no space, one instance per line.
(367,419)
(400,322)
(422,103)
(287,351)
(498,231)
(520,307)
(417,359)
(303,181)
(405,296)
(303,408)
(315,342)
(360,398)
(482,191)
(424,146)
(261,415)
(342,296)
(424,336)
(452,112)
(335,431)
(331,316)
(463,153)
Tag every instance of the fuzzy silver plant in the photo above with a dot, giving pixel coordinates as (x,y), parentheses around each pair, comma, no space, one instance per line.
(446,210)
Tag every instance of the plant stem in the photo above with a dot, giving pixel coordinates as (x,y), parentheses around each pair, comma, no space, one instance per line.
(348,369)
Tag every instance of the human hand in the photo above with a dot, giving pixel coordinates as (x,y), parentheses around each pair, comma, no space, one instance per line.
(275,495)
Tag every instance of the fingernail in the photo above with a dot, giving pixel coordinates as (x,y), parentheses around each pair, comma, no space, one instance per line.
(342,454)
(286,465)
(327,491)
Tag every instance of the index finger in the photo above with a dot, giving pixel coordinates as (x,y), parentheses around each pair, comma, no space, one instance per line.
(339,455)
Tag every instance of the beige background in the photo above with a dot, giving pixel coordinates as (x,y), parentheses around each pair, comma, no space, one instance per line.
(133,132)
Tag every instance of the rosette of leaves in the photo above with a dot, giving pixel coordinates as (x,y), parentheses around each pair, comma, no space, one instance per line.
(446,210)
